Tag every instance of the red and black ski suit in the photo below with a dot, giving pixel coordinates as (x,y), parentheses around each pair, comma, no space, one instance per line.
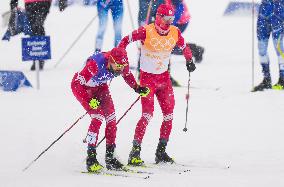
(91,82)
(155,55)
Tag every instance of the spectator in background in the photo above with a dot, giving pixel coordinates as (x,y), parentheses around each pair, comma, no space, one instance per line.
(277,21)
(37,11)
(270,22)
(18,23)
(116,7)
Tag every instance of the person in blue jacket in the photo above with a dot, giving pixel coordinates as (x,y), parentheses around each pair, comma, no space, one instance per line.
(116,8)
(277,21)
(270,22)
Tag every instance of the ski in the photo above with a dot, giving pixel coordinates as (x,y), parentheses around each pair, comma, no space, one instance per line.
(215,166)
(129,170)
(204,88)
(120,173)
(177,168)
(174,167)
(200,88)
(168,168)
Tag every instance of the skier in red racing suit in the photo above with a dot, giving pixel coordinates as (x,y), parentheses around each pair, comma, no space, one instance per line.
(90,88)
(158,40)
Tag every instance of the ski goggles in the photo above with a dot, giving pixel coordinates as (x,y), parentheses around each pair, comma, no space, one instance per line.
(168,19)
(117,65)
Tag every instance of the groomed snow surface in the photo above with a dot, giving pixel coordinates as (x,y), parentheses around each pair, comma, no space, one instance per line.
(227,124)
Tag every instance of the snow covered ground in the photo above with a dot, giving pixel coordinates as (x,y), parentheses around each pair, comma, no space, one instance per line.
(228,125)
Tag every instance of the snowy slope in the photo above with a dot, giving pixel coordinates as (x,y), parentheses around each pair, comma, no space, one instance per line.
(228,125)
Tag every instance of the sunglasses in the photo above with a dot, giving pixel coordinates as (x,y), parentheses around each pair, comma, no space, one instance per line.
(117,66)
(168,18)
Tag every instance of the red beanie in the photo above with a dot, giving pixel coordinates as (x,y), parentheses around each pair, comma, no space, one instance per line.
(119,55)
(166,10)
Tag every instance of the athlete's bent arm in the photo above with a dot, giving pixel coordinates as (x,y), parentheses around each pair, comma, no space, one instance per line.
(139,34)
(185,48)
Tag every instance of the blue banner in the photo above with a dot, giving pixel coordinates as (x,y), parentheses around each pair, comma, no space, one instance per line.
(36,48)
(241,8)
(12,80)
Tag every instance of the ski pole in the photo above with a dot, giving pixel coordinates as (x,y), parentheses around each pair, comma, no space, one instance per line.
(120,118)
(54,142)
(187,98)
(130,15)
(252,50)
(76,40)
(148,12)
(133,27)
(139,47)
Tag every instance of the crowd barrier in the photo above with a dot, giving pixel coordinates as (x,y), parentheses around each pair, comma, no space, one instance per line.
(12,80)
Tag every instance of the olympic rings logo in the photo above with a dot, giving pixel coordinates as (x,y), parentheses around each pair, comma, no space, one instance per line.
(163,43)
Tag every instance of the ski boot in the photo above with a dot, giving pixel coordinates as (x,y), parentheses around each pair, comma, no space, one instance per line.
(134,156)
(111,162)
(41,64)
(279,85)
(92,163)
(265,84)
(161,155)
(174,82)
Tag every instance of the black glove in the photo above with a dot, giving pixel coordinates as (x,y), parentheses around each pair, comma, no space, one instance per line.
(190,65)
(143,91)
(13,4)
(62,4)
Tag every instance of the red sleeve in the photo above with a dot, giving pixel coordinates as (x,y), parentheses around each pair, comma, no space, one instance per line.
(139,34)
(129,78)
(185,48)
(90,69)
